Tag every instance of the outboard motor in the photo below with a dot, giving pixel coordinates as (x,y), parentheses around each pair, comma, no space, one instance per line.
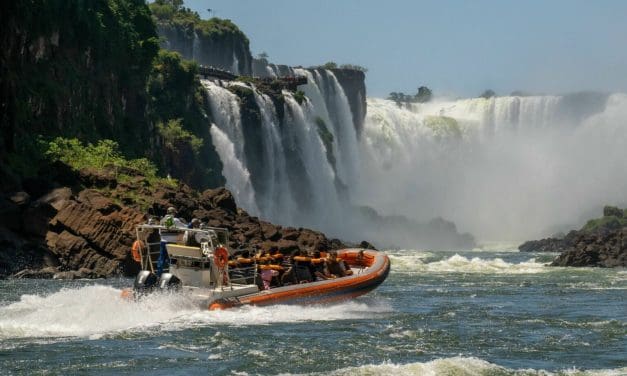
(145,281)
(169,281)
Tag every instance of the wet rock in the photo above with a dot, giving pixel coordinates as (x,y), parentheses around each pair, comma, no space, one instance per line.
(21,199)
(37,217)
(603,248)
(45,273)
(286,246)
(270,231)
(365,245)
(10,214)
(220,198)
(290,233)
(36,186)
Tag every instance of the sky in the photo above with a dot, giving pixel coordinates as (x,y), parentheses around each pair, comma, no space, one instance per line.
(458,48)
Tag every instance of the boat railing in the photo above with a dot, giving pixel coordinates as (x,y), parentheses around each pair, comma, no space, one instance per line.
(244,275)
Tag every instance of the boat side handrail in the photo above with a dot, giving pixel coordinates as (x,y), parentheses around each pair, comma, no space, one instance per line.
(247,272)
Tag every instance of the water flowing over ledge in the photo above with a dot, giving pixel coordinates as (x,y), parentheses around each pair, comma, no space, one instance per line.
(499,168)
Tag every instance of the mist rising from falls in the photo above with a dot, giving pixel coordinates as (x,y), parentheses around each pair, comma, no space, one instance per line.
(501,168)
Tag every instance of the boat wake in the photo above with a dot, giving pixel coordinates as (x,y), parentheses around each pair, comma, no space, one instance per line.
(97,311)
(462,366)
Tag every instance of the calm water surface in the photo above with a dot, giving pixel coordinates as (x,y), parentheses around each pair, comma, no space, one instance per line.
(471,312)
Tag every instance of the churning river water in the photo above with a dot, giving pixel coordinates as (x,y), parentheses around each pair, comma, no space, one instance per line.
(479,312)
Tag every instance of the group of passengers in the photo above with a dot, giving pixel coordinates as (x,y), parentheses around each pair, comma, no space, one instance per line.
(280,269)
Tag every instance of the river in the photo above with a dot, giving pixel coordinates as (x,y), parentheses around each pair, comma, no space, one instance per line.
(475,312)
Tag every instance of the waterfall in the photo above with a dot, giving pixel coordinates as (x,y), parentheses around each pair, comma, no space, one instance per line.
(235,66)
(298,178)
(501,168)
(269,71)
(228,139)
(196,46)
(236,174)
(331,105)
(277,202)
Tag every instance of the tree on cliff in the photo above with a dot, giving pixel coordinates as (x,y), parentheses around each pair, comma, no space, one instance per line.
(488,94)
(263,57)
(423,95)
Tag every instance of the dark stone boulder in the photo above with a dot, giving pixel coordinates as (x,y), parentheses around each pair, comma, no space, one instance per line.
(220,198)
(36,186)
(604,248)
(365,245)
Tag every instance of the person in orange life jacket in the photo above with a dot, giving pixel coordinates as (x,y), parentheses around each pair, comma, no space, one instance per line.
(336,267)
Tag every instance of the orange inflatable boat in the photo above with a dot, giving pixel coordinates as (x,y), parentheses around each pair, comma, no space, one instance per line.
(196,262)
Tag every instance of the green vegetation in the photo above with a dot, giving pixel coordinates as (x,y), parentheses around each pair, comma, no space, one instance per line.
(104,155)
(423,95)
(172,86)
(263,57)
(177,103)
(327,139)
(443,126)
(75,69)
(354,67)
(334,65)
(488,94)
(299,96)
(174,14)
(93,71)
(613,218)
(174,135)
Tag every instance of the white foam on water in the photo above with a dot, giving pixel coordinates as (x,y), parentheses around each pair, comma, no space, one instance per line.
(86,312)
(460,366)
(252,315)
(95,311)
(416,262)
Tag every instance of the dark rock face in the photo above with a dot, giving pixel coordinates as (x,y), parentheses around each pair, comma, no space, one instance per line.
(88,233)
(549,244)
(353,83)
(604,248)
(228,52)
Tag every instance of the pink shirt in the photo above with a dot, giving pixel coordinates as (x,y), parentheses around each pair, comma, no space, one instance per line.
(266,277)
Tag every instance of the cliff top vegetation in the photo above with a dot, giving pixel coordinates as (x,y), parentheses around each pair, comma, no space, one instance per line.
(173,12)
(613,218)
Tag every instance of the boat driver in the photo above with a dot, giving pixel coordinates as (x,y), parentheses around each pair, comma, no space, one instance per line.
(169,221)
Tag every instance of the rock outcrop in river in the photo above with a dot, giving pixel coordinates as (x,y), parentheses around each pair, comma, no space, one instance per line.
(85,228)
(601,242)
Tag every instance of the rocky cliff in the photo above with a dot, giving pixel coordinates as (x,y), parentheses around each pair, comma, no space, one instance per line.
(214,42)
(74,68)
(81,224)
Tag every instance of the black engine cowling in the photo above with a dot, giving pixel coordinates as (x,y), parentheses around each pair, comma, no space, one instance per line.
(145,281)
(169,281)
